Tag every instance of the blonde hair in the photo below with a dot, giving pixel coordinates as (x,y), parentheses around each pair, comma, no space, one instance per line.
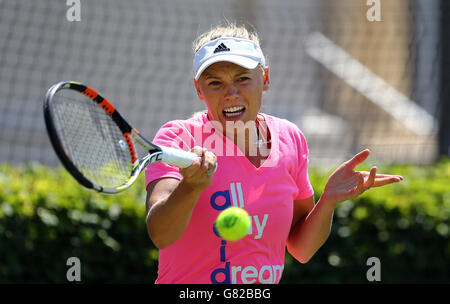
(229,30)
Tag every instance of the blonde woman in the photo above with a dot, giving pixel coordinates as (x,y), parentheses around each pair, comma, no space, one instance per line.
(262,167)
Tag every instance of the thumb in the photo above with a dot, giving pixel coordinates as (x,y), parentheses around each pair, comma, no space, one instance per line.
(358,158)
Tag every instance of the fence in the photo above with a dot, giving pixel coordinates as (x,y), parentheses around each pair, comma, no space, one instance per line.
(351,75)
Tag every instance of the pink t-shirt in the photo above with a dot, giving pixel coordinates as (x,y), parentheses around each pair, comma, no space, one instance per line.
(267,193)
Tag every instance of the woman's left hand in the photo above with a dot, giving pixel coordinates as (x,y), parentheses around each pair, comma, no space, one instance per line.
(345,183)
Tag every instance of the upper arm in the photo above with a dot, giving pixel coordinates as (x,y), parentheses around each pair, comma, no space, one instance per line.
(159,189)
(301,209)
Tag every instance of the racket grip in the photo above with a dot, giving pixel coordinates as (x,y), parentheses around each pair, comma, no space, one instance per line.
(180,158)
(177,157)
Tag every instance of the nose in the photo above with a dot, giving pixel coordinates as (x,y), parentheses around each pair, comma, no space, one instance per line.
(231,92)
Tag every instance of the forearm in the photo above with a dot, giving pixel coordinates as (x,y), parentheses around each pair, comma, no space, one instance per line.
(168,218)
(311,232)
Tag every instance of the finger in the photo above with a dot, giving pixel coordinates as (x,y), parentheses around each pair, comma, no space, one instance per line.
(211,161)
(371,178)
(359,188)
(192,169)
(199,163)
(388,175)
(397,178)
(203,164)
(207,162)
(197,150)
(360,184)
(196,164)
(386,180)
(358,158)
(212,170)
(385,175)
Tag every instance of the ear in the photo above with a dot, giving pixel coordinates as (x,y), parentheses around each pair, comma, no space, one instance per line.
(199,92)
(266,83)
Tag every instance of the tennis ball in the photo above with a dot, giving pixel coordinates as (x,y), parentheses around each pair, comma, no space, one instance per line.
(232,223)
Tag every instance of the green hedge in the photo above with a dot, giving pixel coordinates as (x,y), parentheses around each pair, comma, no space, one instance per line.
(45,218)
(405,225)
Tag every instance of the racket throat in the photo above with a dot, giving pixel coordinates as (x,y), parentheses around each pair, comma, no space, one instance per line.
(144,143)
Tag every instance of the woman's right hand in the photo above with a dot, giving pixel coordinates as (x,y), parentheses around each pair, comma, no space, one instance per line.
(199,175)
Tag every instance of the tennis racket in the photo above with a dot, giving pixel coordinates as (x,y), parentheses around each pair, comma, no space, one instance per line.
(96,144)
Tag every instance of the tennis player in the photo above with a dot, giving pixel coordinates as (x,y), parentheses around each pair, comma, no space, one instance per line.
(262,167)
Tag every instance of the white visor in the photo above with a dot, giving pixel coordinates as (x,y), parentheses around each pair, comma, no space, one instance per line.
(243,52)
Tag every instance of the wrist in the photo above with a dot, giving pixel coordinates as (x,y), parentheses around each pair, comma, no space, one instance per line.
(189,189)
(327,202)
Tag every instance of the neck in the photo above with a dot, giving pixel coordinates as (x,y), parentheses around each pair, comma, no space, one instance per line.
(253,138)
(249,137)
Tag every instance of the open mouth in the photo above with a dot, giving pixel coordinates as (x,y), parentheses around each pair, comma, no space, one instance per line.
(233,112)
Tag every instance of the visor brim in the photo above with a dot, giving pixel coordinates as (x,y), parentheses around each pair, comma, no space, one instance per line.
(242,61)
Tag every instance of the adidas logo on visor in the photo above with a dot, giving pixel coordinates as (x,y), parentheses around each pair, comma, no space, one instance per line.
(243,52)
(221,48)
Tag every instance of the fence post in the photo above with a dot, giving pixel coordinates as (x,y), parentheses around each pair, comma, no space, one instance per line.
(444,117)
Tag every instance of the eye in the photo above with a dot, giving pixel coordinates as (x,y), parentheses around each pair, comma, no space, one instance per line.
(214,83)
(243,78)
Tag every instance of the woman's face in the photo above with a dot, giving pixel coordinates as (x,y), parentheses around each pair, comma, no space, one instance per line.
(232,92)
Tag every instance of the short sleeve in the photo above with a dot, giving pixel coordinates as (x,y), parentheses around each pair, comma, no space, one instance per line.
(301,177)
(173,134)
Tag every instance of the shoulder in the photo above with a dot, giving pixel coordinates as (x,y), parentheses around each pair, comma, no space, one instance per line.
(196,120)
(179,133)
(288,139)
(284,127)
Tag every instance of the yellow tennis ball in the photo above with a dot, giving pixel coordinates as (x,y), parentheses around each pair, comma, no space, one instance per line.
(233,223)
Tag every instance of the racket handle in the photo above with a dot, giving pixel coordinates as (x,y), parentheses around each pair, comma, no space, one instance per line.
(180,158)
(177,157)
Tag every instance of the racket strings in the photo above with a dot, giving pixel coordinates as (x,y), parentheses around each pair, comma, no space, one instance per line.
(91,139)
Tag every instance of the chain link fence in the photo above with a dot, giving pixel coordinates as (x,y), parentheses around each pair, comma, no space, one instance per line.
(351,75)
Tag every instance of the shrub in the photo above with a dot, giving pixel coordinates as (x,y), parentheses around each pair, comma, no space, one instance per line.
(405,225)
(46,217)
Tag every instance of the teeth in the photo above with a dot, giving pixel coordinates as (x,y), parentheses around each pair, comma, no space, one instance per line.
(234,109)
(232,114)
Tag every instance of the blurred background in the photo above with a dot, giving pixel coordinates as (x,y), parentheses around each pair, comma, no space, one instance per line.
(352,74)
(347,82)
